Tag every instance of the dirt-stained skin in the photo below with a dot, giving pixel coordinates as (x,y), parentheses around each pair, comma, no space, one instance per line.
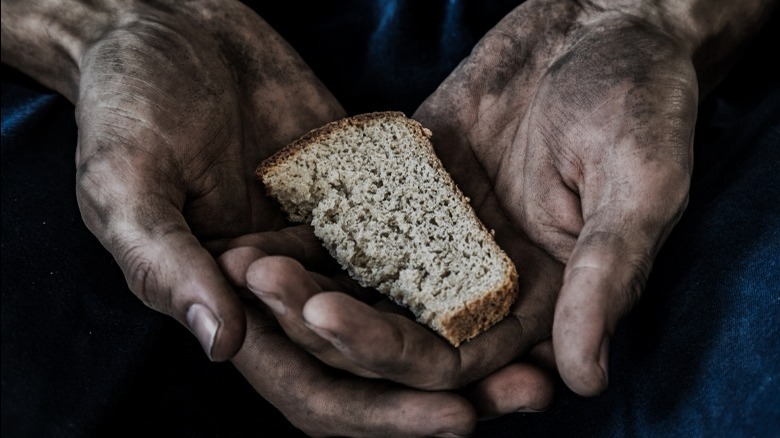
(570,127)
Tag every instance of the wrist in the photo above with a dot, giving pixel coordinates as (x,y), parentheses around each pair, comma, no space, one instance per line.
(722,31)
(46,40)
(712,32)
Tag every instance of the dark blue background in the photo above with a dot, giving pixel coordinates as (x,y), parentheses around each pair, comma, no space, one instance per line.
(699,356)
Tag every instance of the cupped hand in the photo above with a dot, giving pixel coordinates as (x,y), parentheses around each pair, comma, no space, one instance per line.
(323,401)
(286,358)
(356,330)
(573,125)
(176,106)
(567,126)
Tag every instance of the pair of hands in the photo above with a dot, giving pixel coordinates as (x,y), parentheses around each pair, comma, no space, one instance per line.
(569,126)
(571,131)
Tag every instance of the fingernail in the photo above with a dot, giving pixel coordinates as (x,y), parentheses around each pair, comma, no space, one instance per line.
(273,301)
(326,334)
(204,325)
(529,411)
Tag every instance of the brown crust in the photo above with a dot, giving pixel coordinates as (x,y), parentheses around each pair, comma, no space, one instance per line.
(491,306)
(315,134)
(482,313)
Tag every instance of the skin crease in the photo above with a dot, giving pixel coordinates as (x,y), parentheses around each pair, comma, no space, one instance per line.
(570,127)
(600,119)
(176,104)
(296,291)
(152,176)
(596,108)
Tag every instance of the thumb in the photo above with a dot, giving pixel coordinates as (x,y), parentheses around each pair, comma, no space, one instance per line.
(603,280)
(172,273)
(627,218)
(164,263)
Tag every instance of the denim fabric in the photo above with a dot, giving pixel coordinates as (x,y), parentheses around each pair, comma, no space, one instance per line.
(699,356)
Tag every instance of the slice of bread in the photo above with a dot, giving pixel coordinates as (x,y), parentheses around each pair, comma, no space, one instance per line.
(382,203)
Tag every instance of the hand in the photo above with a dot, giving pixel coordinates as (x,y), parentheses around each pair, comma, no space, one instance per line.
(293,275)
(322,401)
(350,328)
(176,106)
(579,122)
(313,396)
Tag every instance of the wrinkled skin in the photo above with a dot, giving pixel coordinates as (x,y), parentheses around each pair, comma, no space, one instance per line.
(175,109)
(569,127)
(580,124)
(372,339)
(565,126)
(176,104)
(571,123)
(315,396)
(166,165)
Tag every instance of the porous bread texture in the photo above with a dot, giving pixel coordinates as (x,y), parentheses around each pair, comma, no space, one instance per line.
(383,205)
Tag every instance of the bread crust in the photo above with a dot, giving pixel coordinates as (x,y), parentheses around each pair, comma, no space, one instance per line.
(285,153)
(489,307)
(481,314)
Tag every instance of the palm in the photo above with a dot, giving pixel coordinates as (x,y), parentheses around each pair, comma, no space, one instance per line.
(568,132)
(182,109)
(176,108)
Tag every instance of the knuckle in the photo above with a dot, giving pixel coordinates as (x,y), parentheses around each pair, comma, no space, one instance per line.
(498,40)
(395,359)
(446,372)
(450,375)
(92,182)
(530,325)
(315,346)
(625,266)
(400,360)
(641,266)
(143,277)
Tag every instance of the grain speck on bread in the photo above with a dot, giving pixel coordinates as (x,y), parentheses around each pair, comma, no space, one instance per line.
(386,209)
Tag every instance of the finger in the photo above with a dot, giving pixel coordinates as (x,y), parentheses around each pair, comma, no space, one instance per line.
(517,387)
(298,242)
(603,280)
(543,355)
(235,263)
(387,344)
(323,402)
(163,263)
(351,347)
(395,347)
(285,286)
(586,314)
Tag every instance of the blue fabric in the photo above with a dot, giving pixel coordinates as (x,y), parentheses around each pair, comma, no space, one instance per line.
(699,356)
(22,113)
